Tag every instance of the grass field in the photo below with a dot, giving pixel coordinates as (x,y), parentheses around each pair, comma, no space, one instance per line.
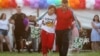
(25,54)
(87,54)
(53,54)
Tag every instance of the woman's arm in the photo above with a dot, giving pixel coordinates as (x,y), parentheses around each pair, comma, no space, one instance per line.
(81,29)
(95,27)
(8,27)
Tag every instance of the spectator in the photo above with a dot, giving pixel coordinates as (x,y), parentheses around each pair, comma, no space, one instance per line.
(75,33)
(35,32)
(95,34)
(4,28)
(18,20)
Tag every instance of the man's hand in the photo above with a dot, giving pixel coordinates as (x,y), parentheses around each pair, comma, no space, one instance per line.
(27,27)
(12,21)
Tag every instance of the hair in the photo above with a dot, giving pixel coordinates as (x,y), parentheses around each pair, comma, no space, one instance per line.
(1,17)
(30,15)
(64,1)
(98,18)
(52,6)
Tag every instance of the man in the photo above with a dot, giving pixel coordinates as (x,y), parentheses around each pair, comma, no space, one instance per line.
(63,27)
(20,27)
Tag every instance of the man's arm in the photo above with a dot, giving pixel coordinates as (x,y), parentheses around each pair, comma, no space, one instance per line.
(12,18)
(25,21)
(72,19)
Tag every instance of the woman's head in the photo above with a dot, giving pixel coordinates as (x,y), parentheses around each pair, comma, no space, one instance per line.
(3,16)
(51,9)
(96,18)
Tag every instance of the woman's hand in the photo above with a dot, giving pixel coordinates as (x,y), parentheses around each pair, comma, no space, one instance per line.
(81,29)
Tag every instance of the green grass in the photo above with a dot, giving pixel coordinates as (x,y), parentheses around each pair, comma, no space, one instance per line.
(87,54)
(53,54)
(24,54)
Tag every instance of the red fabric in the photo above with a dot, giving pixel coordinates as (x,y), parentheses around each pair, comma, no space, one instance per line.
(47,40)
(64,19)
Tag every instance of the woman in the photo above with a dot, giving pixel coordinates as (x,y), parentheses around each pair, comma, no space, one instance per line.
(95,35)
(48,30)
(75,32)
(4,27)
(74,41)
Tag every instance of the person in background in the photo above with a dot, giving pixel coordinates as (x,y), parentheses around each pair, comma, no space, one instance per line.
(26,36)
(10,35)
(35,32)
(95,35)
(77,28)
(18,20)
(63,28)
(4,28)
(48,23)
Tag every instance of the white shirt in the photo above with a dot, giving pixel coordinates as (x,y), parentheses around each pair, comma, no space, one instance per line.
(4,24)
(48,23)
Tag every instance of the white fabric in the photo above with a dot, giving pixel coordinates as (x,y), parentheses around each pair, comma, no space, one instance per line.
(20,3)
(10,35)
(86,17)
(4,24)
(90,4)
(48,23)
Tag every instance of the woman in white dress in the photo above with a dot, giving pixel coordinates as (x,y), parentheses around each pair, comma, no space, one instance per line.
(4,28)
(95,34)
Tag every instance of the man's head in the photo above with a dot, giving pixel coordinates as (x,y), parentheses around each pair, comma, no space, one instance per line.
(18,9)
(64,4)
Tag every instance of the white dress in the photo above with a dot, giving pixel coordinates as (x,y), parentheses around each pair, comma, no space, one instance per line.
(95,35)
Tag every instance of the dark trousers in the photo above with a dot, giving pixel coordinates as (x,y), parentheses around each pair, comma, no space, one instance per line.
(34,44)
(18,39)
(18,42)
(62,41)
